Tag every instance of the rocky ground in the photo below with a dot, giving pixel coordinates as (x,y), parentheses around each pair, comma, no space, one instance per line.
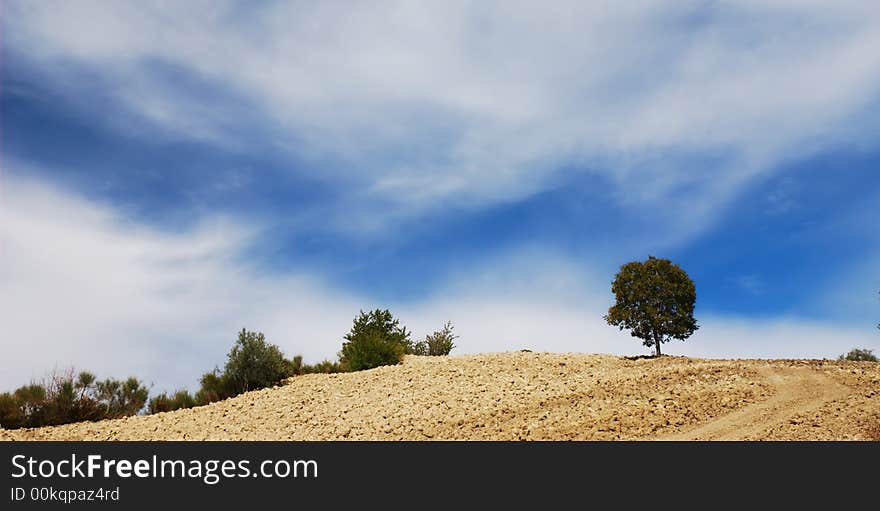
(532,396)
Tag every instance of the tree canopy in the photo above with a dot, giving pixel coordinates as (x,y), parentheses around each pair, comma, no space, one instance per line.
(655,301)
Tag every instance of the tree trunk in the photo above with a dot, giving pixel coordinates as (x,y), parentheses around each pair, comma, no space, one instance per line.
(657,343)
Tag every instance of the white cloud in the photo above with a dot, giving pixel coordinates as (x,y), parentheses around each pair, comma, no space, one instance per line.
(479,102)
(81,285)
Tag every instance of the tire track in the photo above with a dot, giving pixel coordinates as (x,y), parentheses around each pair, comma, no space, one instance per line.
(797,390)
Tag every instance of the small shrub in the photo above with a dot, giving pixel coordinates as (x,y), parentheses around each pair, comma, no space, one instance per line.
(11,416)
(420,348)
(118,398)
(295,366)
(182,399)
(325,367)
(253,364)
(859,355)
(371,350)
(164,403)
(213,388)
(33,404)
(159,404)
(440,343)
(62,399)
(376,338)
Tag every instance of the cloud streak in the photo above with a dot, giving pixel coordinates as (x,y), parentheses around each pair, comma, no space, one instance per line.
(476,103)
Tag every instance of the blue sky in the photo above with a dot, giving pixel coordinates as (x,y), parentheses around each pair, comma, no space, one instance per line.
(171,173)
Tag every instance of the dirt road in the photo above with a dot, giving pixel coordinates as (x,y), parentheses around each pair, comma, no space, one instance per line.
(794,391)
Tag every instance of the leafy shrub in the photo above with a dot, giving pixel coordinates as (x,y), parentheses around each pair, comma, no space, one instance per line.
(11,416)
(370,350)
(296,367)
(33,403)
(120,398)
(376,339)
(857,354)
(440,343)
(213,388)
(325,367)
(182,399)
(62,399)
(159,404)
(253,364)
(164,403)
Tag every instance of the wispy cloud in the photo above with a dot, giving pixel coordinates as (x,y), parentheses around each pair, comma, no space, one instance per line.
(80,284)
(472,103)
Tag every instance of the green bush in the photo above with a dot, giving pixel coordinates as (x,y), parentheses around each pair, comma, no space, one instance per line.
(118,398)
(11,416)
(165,403)
(159,404)
(296,367)
(34,405)
(376,338)
(440,343)
(253,364)
(857,354)
(371,350)
(213,388)
(62,399)
(325,367)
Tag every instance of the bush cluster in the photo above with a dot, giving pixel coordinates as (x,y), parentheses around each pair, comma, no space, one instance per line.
(859,355)
(63,398)
(376,338)
(439,343)
(165,403)
(296,367)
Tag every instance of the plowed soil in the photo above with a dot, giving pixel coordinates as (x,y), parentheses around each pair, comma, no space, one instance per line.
(532,396)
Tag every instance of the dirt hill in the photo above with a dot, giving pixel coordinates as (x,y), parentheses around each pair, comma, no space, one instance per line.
(532,396)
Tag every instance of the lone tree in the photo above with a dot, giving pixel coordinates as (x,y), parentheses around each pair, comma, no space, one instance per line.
(655,301)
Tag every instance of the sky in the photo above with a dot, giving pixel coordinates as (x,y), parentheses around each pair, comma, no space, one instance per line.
(173,172)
